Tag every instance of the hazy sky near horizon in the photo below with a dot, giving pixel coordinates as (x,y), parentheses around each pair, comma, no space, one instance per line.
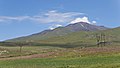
(25,17)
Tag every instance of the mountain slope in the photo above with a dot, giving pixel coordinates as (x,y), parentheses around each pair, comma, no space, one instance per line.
(60,31)
(83,37)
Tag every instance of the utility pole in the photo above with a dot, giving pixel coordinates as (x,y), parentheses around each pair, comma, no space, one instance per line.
(101,39)
(98,39)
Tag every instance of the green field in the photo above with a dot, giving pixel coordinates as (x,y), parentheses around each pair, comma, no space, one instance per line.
(55,57)
(112,61)
(14,51)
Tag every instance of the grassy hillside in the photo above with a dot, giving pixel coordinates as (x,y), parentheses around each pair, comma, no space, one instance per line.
(81,38)
(85,37)
(60,31)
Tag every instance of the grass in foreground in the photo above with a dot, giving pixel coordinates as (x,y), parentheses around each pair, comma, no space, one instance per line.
(14,51)
(111,61)
(94,57)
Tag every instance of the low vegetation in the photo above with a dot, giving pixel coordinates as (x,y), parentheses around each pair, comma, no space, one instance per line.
(56,57)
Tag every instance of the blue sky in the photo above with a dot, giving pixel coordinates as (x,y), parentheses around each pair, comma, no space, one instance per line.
(25,17)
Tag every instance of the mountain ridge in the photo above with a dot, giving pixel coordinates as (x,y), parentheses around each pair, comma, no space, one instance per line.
(60,31)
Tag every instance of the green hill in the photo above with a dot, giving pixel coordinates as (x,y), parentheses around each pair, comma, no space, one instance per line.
(80,38)
(112,35)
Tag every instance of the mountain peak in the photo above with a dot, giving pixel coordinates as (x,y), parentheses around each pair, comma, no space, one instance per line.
(84,26)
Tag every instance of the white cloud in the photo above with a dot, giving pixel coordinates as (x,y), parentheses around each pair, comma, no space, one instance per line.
(51,28)
(58,25)
(84,19)
(55,26)
(94,22)
(8,18)
(54,16)
(49,17)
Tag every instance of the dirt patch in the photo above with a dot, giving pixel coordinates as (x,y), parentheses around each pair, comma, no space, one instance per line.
(45,55)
